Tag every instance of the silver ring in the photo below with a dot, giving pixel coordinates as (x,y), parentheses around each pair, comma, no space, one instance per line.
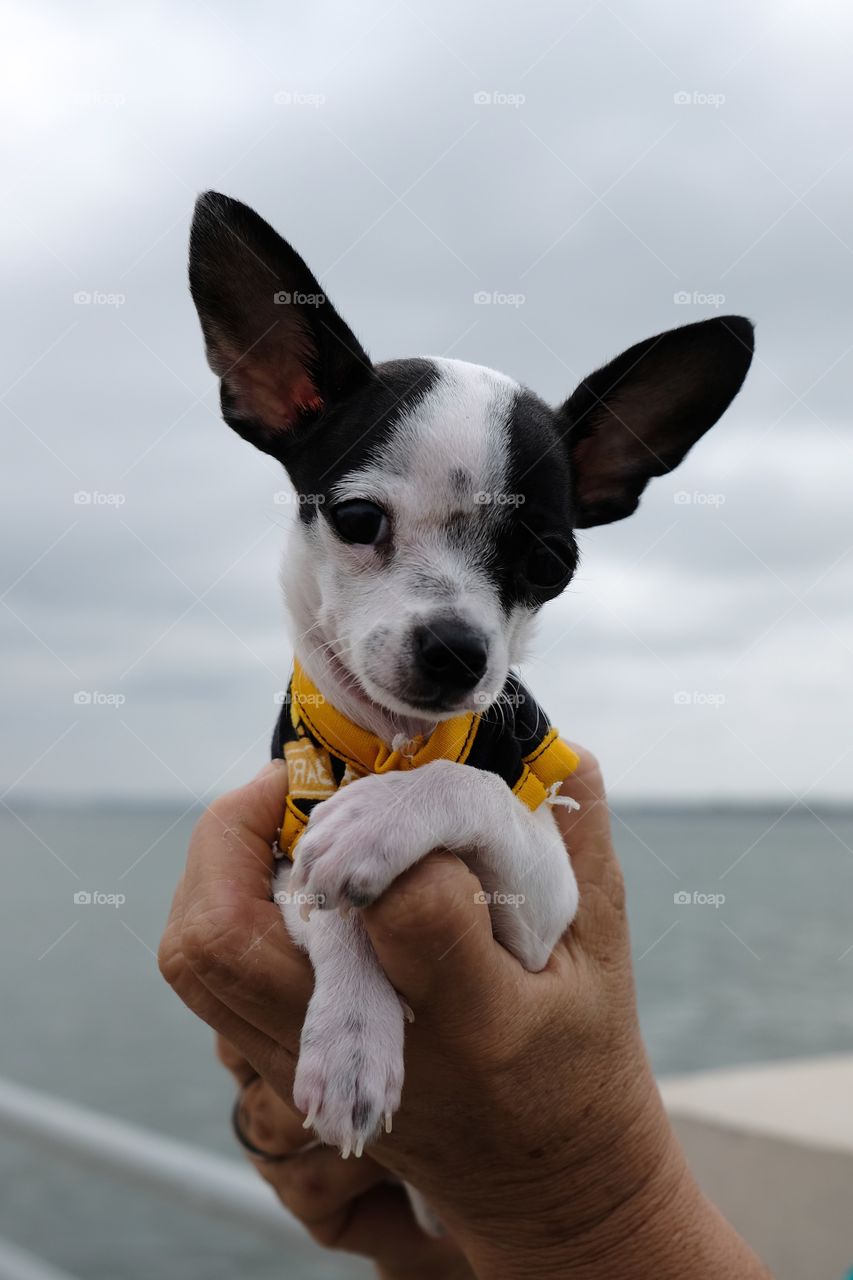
(268,1157)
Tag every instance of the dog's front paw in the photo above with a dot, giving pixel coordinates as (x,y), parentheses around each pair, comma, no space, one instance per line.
(358,841)
(350,1073)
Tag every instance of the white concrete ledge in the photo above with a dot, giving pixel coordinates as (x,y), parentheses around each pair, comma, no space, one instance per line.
(773,1148)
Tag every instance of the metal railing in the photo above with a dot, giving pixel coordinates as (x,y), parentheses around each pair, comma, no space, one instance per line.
(17,1264)
(187,1175)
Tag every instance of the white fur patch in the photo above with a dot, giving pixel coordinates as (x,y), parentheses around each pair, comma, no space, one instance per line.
(460,426)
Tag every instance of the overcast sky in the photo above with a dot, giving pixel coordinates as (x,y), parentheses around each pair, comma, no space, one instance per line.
(628,156)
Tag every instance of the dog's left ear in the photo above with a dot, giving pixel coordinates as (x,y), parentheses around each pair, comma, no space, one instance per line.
(282,352)
(638,416)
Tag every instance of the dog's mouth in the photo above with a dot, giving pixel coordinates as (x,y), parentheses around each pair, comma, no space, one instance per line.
(434,704)
(441,703)
(416,699)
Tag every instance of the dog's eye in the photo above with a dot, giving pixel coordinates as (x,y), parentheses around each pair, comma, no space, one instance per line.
(360,521)
(549,563)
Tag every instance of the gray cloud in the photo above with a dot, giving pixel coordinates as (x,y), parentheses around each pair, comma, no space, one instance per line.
(600,198)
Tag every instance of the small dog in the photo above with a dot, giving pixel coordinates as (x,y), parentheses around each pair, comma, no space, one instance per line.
(438,503)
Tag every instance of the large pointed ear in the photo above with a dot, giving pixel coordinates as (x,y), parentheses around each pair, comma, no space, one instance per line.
(639,415)
(282,352)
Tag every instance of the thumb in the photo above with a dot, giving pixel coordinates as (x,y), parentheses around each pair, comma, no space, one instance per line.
(251,815)
(432,935)
(588,839)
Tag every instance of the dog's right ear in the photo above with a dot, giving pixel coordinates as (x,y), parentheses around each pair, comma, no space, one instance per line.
(282,352)
(639,415)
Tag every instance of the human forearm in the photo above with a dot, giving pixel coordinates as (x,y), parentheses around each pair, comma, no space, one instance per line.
(530,1119)
(637,1212)
(451,1269)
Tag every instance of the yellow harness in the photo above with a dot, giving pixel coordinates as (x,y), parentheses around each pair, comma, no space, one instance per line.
(325,751)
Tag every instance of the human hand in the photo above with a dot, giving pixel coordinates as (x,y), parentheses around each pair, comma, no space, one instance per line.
(347,1205)
(530,1117)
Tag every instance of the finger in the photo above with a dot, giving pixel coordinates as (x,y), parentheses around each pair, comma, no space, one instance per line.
(261,1053)
(270,1122)
(319,1187)
(433,937)
(231,934)
(234,1061)
(380,1226)
(587,836)
(314,1183)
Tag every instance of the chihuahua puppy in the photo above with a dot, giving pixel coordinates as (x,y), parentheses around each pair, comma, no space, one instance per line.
(437,509)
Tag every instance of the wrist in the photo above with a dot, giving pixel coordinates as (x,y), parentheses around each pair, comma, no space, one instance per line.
(447,1269)
(649,1218)
(589,1200)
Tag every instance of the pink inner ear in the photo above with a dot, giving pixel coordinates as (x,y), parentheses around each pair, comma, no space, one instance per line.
(600,462)
(275,396)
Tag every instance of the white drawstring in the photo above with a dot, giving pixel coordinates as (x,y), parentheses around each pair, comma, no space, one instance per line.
(552,799)
(407,747)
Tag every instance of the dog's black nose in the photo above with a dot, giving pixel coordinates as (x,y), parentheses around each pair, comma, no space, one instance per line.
(451,654)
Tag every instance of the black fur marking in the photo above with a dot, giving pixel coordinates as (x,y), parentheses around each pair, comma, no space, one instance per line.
(351,434)
(363,1114)
(539,488)
(357,894)
(353,1023)
(460,481)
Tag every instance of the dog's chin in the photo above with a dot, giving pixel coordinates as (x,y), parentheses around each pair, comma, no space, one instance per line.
(429,705)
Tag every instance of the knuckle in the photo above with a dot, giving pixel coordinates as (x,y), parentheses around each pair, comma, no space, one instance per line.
(214,941)
(209,823)
(616,890)
(608,894)
(307,1197)
(170,957)
(429,898)
(587,780)
(591,762)
(223,819)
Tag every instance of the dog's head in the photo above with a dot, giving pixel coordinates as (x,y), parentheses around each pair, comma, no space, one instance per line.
(437,499)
